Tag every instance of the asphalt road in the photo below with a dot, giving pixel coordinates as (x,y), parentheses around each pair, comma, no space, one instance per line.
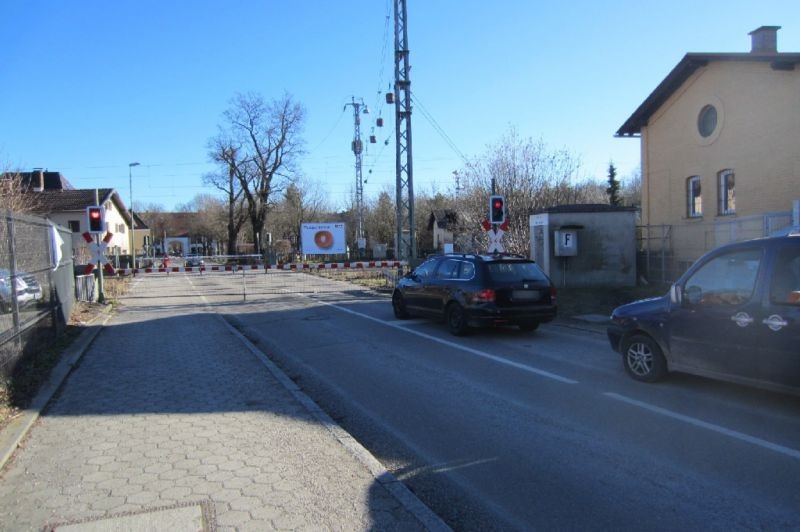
(511,430)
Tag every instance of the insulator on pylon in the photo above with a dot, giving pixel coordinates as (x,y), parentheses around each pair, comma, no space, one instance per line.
(372,139)
(389,97)
(379,122)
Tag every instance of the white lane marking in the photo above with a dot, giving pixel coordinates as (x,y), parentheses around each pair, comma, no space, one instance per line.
(454,345)
(788,451)
(482,354)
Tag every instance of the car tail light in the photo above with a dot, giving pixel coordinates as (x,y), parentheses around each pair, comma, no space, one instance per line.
(553,294)
(484,296)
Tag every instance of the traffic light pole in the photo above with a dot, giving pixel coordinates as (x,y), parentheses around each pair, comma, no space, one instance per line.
(494,226)
(101,296)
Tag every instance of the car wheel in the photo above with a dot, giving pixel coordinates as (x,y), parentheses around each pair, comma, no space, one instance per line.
(399,306)
(528,326)
(457,320)
(643,359)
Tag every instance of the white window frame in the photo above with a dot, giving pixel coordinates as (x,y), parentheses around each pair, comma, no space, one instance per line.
(727,204)
(694,197)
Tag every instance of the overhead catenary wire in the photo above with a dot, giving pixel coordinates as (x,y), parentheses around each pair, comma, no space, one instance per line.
(386,42)
(442,133)
(325,138)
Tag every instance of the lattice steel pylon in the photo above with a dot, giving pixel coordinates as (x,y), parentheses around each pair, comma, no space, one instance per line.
(358,148)
(406,228)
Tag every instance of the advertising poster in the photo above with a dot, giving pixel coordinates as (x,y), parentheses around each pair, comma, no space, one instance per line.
(323,238)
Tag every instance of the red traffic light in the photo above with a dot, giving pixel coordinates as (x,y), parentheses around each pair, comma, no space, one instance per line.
(95,219)
(497,212)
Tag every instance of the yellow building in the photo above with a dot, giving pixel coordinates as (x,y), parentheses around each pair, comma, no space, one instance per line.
(720,149)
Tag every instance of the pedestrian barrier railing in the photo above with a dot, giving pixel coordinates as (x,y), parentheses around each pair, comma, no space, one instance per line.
(359,265)
(287,279)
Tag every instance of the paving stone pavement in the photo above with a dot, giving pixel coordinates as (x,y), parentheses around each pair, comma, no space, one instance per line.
(167,407)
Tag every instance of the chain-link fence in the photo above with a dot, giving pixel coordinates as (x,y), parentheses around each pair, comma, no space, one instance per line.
(666,251)
(36,286)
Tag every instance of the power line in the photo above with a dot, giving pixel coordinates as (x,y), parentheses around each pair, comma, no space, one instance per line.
(429,117)
(325,138)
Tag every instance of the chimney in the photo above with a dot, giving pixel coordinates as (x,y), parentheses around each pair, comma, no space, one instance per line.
(764,40)
(37,180)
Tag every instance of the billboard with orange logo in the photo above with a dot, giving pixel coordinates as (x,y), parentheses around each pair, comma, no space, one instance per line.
(323,238)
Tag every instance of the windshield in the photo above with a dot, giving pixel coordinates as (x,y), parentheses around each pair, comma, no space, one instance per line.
(509,272)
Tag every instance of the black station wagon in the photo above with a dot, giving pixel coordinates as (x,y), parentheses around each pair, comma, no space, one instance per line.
(477,290)
(734,315)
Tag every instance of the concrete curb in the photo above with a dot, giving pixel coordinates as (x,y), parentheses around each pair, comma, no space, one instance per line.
(404,496)
(12,435)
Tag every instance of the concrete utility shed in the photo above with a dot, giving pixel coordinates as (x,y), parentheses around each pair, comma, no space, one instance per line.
(585,245)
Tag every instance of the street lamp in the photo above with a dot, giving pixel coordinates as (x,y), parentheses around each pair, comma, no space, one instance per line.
(133,224)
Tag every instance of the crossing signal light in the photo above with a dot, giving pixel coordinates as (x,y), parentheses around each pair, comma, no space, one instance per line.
(96,220)
(497,209)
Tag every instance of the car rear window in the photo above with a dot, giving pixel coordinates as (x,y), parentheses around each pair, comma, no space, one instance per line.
(456,269)
(507,272)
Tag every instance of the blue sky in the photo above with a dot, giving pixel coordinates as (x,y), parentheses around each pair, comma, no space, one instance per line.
(87,86)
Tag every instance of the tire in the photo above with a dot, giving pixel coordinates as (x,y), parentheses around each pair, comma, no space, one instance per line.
(399,306)
(528,326)
(643,359)
(456,320)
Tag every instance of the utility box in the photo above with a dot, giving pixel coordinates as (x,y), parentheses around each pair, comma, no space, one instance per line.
(566,242)
(585,245)
(379,251)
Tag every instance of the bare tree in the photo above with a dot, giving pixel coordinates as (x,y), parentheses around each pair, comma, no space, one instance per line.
(381,219)
(302,201)
(13,194)
(530,175)
(206,219)
(632,189)
(224,152)
(266,137)
(153,215)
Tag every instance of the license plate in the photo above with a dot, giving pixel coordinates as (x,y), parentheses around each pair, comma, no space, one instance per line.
(526,295)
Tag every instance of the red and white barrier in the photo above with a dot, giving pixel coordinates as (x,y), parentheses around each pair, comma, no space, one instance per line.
(265,267)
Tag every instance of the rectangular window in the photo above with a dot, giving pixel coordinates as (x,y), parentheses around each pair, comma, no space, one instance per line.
(75,226)
(694,197)
(727,279)
(727,198)
(508,272)
(785,281)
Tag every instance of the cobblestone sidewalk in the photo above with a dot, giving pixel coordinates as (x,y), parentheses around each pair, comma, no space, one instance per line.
(167,407)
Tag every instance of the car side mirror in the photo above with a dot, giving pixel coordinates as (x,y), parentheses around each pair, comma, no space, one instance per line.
(675,295)
(694,294)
